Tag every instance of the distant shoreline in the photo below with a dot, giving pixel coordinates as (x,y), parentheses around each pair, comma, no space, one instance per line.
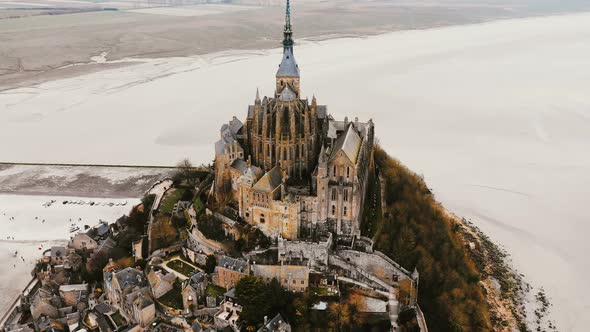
(196,39)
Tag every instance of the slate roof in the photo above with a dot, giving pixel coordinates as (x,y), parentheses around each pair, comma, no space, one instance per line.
(240,165)
(140,298)
(102,229)
(250,111)
(270,181)
(129,277)
(106,245)
(235,125)
(322,111)
(225,139)
(103,308)
(287,94)
(348,142)
(58,251)
(288,66)
(232,263)
(277,324)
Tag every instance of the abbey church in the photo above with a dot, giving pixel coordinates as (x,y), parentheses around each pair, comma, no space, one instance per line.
(292,169)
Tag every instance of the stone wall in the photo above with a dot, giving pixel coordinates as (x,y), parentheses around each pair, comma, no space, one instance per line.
(314,253)
(376,265)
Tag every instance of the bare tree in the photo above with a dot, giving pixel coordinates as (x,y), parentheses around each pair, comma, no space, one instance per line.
(187,172)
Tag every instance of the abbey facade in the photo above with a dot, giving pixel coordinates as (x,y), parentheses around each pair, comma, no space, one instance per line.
(291,168)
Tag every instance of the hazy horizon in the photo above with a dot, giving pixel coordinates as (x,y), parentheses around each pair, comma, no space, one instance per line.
(496,116)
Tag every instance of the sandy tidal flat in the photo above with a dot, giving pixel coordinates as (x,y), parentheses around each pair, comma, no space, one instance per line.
(28,228)
(496,116)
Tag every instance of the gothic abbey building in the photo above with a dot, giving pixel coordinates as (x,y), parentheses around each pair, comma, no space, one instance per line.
(291,168)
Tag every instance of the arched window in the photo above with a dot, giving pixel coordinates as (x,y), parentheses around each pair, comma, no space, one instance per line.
(333,209)
(262,218)
(334,194)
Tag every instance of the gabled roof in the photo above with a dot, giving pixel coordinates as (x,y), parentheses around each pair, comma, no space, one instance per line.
(129,277)
(250,111)
(232,264)
(348,142)
(240,165)
(235,125)
(322,111)
(288,66)
(58,251)
(277,324)
(287,94)
(270,181)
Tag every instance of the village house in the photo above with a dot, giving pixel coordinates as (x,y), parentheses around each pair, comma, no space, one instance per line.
(45,303)
(193,289)
(58,254)
(229,312)
(277,324)
(139,307)
(229,271)
(160,282)
(83,242)
(291,277)
(117,284)
(73,294)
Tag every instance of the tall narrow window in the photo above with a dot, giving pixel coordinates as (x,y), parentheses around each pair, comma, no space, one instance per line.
(344,212)
(334,171)
(347,172)
(333,209)
(333,194)
(345,194)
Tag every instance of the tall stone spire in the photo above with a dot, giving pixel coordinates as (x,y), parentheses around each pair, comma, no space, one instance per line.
(287,32)
(288,72)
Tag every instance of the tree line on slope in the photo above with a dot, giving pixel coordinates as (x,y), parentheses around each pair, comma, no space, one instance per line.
(415,231)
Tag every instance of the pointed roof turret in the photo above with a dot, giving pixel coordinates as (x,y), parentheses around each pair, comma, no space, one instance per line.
(288,66)
(257,100)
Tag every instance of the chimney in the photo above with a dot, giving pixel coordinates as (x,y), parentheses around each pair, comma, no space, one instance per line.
(345,120)
(356,122)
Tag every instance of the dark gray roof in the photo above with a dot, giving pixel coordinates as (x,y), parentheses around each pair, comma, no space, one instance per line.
(270,181)
(250,111)
(129,277)
(102,229)
(287,94)
(106,245)
(322,111)
(58,251)
(235,125)
(277,324)
(349,142)
(198,278)
(288,66)
(240,165)
(232,264)
(103,308)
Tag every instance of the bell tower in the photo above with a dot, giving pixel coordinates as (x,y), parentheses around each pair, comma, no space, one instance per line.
(288,73)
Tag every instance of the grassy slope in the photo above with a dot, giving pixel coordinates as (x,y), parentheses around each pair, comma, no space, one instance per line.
(415,231)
